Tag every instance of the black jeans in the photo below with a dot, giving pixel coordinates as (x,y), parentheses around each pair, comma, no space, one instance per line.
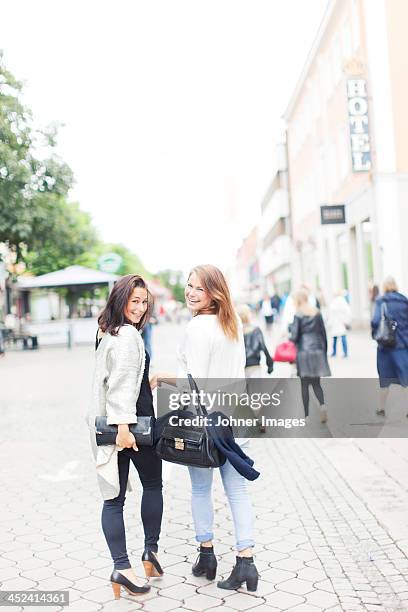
(317,388)
(149,468)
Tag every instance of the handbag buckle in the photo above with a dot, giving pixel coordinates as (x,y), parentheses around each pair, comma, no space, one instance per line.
(179,443)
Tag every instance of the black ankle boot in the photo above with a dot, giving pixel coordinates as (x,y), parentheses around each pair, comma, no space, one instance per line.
(206,563)
(243,571)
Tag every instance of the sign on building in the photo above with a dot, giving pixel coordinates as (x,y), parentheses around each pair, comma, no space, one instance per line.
(110,262)
(332,214)
(358,122)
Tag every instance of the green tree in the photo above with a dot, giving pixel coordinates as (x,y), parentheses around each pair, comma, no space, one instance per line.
(61,233)
(131,263)
(173,280)
(29,184)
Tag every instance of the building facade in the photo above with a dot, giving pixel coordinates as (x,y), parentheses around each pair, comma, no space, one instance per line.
(275,245)
(347,132)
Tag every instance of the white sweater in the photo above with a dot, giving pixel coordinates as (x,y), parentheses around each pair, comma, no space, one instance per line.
(206,352)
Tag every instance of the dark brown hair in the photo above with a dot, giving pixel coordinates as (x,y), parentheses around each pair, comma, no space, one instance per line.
(113,316)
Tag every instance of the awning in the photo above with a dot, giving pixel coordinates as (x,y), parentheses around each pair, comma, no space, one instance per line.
(68,277)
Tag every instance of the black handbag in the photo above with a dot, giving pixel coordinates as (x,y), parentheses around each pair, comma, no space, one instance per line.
(142,430)
(387,329)
(187,444)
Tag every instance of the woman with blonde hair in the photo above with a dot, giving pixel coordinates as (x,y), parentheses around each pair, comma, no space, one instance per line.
(392,361)
(309,334)
(213,348)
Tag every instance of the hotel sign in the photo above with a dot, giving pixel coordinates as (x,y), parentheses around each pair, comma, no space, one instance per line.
(358,122)
(332,214)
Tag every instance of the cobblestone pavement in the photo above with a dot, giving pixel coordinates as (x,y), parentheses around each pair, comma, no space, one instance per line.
(331,514)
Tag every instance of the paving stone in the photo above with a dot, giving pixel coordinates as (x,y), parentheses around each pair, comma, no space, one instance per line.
(312,574)
(179,591)
(54,583)
(121,605)
(74,573)
(6,573)
(296,586)
(201,602)
(284,601)
(17,584)
(90,583)
(83,555)
(99,595)
(291,564)
(242,601)
(95,563)
(305,608)
(276,576)
(38,573)
(82,605)
(322,599)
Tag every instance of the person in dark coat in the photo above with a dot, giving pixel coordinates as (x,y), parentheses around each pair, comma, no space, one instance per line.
(309,334)
(392,362)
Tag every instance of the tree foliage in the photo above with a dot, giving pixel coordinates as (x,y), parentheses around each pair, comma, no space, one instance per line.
(36,222)
(173,280)
(131,263)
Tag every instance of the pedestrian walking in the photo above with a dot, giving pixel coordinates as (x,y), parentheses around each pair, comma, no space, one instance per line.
(309,334)
(122,393)
(267,311)
(254,347)
(392,360)
(213,348)
(339,322)
(3,331)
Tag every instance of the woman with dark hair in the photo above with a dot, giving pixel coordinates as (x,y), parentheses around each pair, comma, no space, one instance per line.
(122,392)
(213,348)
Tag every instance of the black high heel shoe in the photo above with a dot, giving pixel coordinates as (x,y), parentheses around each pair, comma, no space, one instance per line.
(206,563)
(243,571)
(119,580)
(151,565)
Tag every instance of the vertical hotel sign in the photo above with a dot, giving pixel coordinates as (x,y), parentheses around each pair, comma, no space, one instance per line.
(358,122)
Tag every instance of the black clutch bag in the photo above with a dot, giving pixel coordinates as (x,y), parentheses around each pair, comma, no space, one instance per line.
(142,430)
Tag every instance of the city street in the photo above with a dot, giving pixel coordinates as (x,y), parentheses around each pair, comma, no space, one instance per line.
(331,514)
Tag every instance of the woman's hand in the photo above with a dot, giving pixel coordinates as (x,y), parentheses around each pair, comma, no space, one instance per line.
(157,379)
(125,438)
(154,382)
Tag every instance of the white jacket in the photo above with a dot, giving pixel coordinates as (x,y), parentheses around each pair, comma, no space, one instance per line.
(119,367)
(339,316)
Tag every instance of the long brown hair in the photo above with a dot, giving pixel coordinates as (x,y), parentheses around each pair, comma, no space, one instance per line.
(113,315)
(216,286)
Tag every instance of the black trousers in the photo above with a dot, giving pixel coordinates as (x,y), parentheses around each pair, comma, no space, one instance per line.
(149,468)
(306,381)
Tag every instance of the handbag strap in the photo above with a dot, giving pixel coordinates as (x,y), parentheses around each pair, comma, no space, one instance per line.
(384,310)
(193,387)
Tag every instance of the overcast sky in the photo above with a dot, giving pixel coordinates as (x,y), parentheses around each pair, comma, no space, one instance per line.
(171,110)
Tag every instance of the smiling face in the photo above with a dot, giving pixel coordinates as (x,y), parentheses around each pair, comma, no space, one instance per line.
(197,298)
(137,305)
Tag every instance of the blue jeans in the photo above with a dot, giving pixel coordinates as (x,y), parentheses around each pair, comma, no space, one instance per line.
(238,498)
(344,344)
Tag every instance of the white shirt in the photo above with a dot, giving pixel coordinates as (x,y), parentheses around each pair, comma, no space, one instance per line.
(206,353)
